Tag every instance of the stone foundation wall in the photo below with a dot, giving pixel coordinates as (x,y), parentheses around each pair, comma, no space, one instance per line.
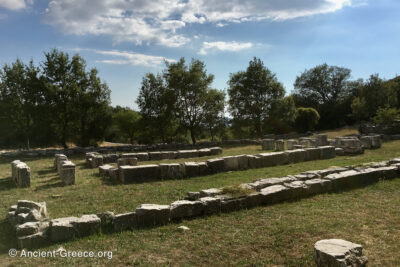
(34,228)
(94,159)
(144,173)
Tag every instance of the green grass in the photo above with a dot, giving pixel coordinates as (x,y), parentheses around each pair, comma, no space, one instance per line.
(277,235)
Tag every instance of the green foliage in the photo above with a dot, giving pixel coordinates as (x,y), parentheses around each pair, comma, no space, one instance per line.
(386,115)
(252,95)
(127,122)
(306,119)
(214,106)
(374,95)
(328,90)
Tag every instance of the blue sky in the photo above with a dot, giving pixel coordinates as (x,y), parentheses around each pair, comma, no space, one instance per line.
(124,39)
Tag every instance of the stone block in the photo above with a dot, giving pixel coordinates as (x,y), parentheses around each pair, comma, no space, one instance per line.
(97,160)
(28,228)
(216,165)
(297,190)
(67,173)
(211,205)
(318,186)
(40,207)
(33,241)
(338,253)
(268,144)
(280,145)
(171,171)
(107,220)
(62,229)
(254,161)
(210,192)
(142,173)
(321,140)
(327,152)
(185,209)
(297,155)
(274,194)
(231,163)
(110,158)
(155,155)
(114,174)
(127,162)
(339,151)
(143,156)
(204,152)
(216,151)
(104,170)
(169,154)
(313,153)
(125,221)
(86,225)
(152,214)
(182,154)
(290,144)
(193,195)
(203,168)
(191,169)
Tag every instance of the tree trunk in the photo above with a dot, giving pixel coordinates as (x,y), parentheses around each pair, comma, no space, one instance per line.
(192,136)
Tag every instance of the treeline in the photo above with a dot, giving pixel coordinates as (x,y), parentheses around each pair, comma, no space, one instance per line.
(60,102)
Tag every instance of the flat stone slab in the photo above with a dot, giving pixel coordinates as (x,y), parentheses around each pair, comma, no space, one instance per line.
(142,173)
(338,253)
(152,214)
(184,209)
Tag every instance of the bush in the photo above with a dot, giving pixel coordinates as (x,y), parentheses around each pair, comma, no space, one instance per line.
(386,115)
(306,119)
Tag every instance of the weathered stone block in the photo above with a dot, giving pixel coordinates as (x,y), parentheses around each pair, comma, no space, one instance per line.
(142,173)
(105,169)
(110,158)
(125,221)
(274,194)
(321,140)
(327,152)
(203,168)
(86,225)
(339,151)
(204,152)
(231,163)
(191,169)
(254,161)
(171,171)
(127,162)
(280,145)
(152,214)
(318,186)
(211,205)
(62,229)
(268,144)
(32,241)
(28,228)
(210,192)
(67,173)
(184,209)
(155,155)
(187,154)
(338,253)
(143,156)
(297,155)
(216,165)
(313,153)
(216,151)
(290,144)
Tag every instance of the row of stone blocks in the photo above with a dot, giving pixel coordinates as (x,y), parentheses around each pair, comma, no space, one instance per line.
(65,169)
(304,142)
(143,173)
(20,173)
(34,228)
(95,160)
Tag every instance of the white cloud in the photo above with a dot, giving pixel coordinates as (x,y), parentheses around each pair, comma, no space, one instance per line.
(128,58)
(223,46)
(15,4)
(159,21)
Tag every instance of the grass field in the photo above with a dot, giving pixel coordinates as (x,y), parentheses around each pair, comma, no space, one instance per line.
(277,235)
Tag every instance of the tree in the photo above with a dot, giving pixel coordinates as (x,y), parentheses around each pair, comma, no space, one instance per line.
(386,115)
(283,115)
(325,88)
(373,95)
(127,122)
(157,107)
(190,85)
(306,119)
(252,94)
(214,107)
(77,100)
(19,96)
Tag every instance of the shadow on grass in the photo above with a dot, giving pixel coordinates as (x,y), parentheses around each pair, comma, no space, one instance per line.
(46,171)
(48,186)
(6,184)
(7,237)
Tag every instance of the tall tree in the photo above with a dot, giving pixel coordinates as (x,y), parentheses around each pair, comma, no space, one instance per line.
(190,83)
(127,122)
(214,117)
(252,94)
(325,88)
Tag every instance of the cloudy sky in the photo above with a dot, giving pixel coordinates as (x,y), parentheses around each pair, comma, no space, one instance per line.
(124,39)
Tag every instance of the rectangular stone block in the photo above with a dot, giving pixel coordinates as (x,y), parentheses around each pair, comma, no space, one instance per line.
(171,171)
(215,165)
(211,205)
(125,221)
(280,145)
(152,214)
(62,229)
(297,155)
(87,225)
(169,154)
(273,159)
(110,158)
(191,169)
(327,152)
(318,186)
(185,209)
(67,173)
(243,162)
(290,144)
(216,151)
(127,162)
(143,156)
(204,152)
(313,153)
(231,163)
(268,144)
(155,155)
(104,170)
(274,194)
(33,241)
(183,154)
(142,173)
(254,161)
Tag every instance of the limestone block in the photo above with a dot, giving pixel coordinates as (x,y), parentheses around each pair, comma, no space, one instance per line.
(28,228)
(14,170)
(313,153)
(143,156)
(127,162)
(210,192)
(169,154)
(152,214)
(191,169)
(184,209)
(23,175)
(203,168)
(318,186)
(62,229)
(110,158)
(216,151)
(142,173)
(104,170)
(67,173)
(107,220)
(243,162)
(321,140)
(155,155)
(262,183)
(254,161)
(187,154)
(338,253)
(268,144)
(216,165)
(290,144)
(32,241)
(40,207)
(86,225)
(193,195)
(97,160)
(231,163)
(171,171)
(274,194)
(339,151)
(229,204)
(297,155)
(211,205)
(273,159)
(327,152)
(280,145)
(125,221)
(204,152)
(297,190)
(114,174)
